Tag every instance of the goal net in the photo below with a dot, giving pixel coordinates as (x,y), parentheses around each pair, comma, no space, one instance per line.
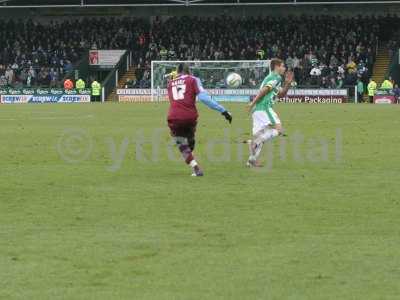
(213,76)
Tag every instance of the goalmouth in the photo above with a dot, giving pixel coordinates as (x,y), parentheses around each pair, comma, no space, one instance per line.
(213,75)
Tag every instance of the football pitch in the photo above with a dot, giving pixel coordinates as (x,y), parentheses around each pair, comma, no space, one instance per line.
(96,204)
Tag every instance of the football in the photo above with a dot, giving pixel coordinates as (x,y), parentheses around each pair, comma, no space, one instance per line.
(233,80)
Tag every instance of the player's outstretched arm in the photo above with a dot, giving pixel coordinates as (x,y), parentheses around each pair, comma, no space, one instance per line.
(265,90)
(206,99)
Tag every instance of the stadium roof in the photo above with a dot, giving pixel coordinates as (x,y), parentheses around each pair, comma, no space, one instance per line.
(94,3)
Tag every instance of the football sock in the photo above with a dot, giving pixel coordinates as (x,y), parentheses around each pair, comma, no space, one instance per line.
(192,144)
(186,153)
(256,150)
(196,169)
(193,164)
(269,134)
(258,141)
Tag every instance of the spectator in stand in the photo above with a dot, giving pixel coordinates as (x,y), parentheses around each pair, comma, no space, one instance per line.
(68,67)
(339,83)
(396,92)
(371,90)
(44,77)
(333,62)
(54,77)
(23,76)
(360,90)
(260,54)
(145,81)
(325,71)
(163,53)
(96,91)
(31,78)
(324,83)
(315,74)
(80,84)
(387,84)
(14,67)
(130,83)
(3,81)
(362,70)
(341,70)
(9,75)
(332,83)
(68,84)
(290,62)
(351,66)
(296,66)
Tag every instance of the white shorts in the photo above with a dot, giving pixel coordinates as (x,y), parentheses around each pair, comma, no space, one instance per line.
(263,119)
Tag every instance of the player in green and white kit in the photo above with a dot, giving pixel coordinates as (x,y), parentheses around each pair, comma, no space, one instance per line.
(266,123)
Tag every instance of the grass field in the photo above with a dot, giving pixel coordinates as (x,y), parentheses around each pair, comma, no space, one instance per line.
(93,207)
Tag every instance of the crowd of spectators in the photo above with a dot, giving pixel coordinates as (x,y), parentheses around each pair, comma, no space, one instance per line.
(324,51)
(327,51)
(43,53)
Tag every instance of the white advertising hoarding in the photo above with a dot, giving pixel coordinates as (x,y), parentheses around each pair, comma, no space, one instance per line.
(105,58)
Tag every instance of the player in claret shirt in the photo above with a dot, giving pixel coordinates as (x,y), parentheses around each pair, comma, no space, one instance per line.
(182,116)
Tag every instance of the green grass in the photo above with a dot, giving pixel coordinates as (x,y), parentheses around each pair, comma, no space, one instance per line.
(324,229)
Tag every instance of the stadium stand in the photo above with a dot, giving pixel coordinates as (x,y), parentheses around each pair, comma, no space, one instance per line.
(41,54)
(326,51)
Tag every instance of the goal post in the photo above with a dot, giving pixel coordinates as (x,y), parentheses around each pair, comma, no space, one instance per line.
(213,75)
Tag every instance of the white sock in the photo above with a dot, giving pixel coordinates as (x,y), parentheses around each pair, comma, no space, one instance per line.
(193,163)
(266,135)
(257,150)
(269,134)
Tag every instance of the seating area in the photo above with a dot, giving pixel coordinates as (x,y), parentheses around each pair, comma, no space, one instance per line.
(41,53)
(325,51)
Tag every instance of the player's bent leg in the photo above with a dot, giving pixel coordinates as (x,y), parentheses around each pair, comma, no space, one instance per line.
(268,133)
(183,146)
(190,135)
(191,138)
(274,127)
(266,126)
(186,152)
(188,130)
(260,122)
(183,132)
(192,143)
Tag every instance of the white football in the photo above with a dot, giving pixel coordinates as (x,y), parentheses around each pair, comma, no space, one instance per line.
(234,80)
